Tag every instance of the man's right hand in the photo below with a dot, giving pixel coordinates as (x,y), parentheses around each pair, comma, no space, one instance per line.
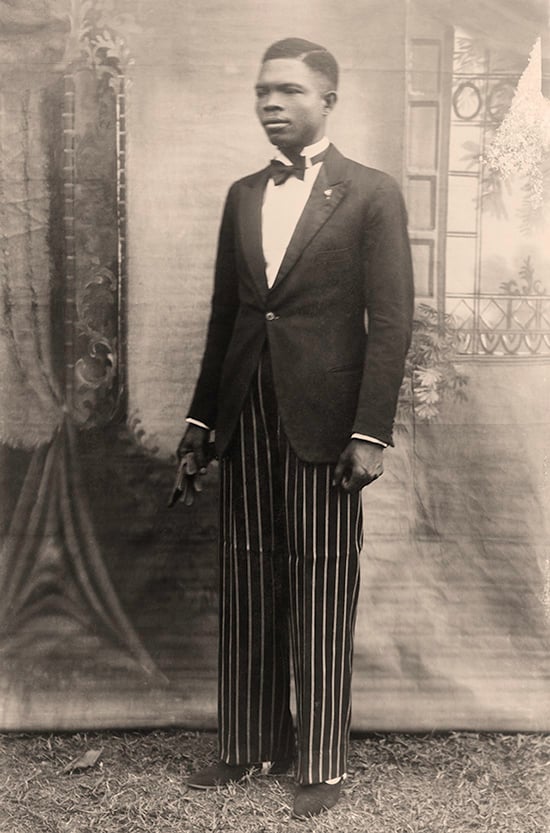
(194,447)
(192,453)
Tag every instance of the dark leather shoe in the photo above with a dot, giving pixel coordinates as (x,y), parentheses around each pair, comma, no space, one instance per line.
(280,767)
(312,799)
(221,774)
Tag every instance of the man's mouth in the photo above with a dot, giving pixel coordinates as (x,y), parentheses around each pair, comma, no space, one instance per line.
(275,124)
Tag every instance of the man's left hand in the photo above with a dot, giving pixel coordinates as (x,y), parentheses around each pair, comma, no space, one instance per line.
(360,463)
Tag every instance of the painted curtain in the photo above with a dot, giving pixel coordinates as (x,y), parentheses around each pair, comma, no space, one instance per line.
(113,170)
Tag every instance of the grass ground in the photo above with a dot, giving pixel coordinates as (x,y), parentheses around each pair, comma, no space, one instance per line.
(447,783)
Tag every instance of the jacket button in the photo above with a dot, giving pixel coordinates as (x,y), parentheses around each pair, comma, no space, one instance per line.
(270,316)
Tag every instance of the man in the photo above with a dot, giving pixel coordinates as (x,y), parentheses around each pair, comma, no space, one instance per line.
(302,401)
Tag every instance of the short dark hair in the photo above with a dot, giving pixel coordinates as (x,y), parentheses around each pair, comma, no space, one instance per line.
(314,55)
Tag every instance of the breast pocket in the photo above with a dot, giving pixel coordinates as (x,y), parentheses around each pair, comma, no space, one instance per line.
(347,368)
(330,256)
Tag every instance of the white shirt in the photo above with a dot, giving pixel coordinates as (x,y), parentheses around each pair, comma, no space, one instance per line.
(282,208)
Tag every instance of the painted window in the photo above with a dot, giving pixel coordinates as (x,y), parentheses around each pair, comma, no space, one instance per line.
(478,254)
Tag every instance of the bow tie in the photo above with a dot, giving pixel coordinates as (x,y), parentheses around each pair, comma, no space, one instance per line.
(279,172)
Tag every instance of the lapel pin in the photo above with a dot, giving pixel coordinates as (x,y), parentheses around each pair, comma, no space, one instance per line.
(328,193)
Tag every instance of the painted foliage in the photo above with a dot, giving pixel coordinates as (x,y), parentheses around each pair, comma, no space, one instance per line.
(112,175)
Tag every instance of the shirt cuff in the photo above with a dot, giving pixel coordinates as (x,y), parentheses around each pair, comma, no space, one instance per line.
(192,421)
(369,439)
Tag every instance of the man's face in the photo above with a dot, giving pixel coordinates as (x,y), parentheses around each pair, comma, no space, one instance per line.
(292,103)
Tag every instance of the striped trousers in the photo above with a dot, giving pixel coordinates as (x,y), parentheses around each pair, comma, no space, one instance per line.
(289,581)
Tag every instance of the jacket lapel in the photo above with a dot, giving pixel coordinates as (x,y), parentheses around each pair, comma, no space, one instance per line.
(250,223)
(327,193)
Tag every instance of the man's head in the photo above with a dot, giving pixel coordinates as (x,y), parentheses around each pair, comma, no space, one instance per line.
(295,92)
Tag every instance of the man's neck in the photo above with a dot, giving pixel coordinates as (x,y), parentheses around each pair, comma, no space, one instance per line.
(293,155)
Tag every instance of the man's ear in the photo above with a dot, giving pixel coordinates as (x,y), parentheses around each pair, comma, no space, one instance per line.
(330,98)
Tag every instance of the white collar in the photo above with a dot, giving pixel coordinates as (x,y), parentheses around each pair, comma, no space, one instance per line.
(308,152)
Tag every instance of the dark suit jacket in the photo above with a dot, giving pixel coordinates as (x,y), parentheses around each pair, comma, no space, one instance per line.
(349,255)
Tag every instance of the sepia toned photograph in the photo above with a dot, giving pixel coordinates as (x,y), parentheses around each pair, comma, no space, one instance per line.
(274,416)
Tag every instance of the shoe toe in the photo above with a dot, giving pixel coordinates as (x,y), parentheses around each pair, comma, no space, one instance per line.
(217,775)
(312,799)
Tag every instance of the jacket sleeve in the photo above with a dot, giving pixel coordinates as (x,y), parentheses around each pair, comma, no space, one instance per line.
(224,306)
(389,301)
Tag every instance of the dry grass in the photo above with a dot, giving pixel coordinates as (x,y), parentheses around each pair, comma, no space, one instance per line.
(455,783)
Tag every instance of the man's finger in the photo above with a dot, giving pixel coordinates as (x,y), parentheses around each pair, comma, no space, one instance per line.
(191,466)
(357,480)
(351,483)
(338,473)
(200,457)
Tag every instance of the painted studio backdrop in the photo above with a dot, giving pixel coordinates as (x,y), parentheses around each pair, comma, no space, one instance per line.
(122,124)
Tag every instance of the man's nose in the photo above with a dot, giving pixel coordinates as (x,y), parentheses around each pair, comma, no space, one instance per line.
(271,102)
